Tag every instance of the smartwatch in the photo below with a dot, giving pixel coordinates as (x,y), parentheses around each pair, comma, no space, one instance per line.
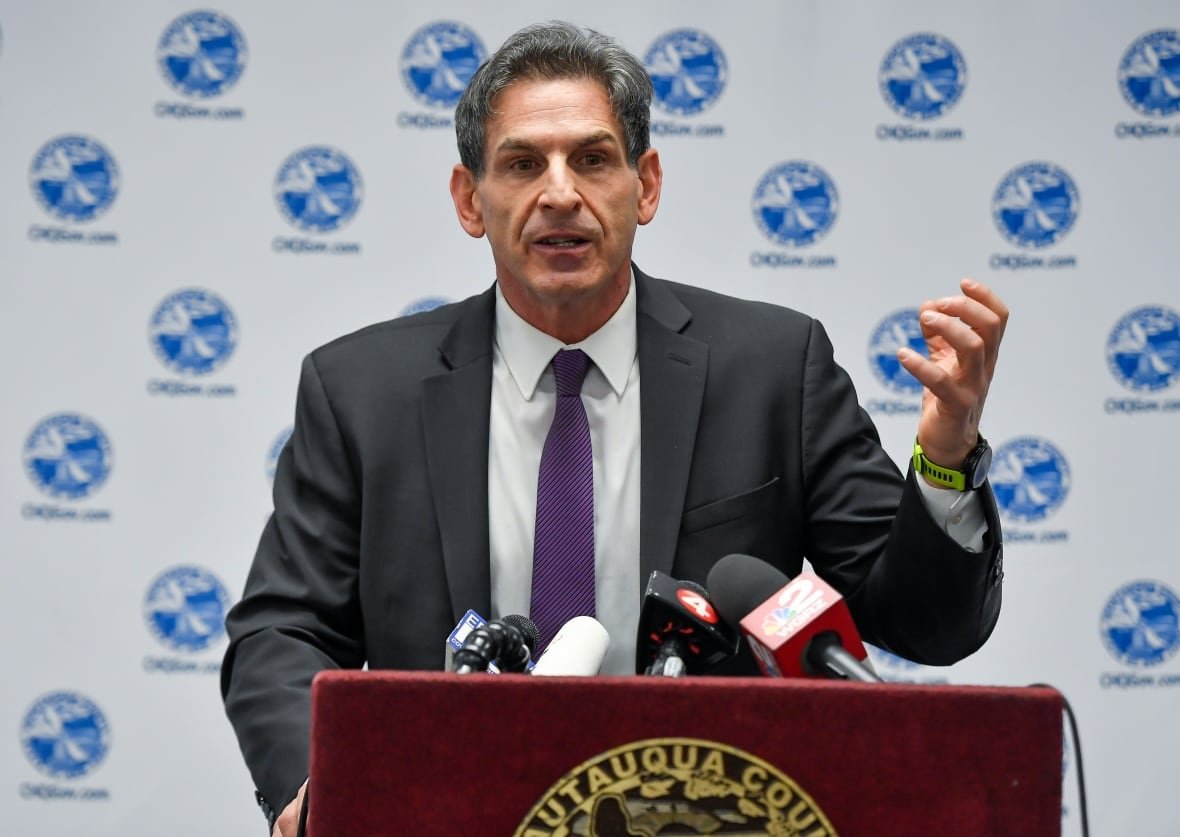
(970,477)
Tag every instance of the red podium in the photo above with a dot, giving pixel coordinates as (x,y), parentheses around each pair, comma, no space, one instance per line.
(497,756)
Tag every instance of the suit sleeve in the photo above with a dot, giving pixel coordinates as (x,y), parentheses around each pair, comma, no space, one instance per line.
(299,613)
(911,587)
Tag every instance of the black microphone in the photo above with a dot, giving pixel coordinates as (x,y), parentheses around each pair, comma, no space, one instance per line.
(508,643)
(679,630)
(795,627)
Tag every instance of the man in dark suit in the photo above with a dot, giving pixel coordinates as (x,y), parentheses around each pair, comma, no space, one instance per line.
(409,490)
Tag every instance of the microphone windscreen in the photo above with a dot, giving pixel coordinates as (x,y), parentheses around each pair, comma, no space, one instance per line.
(577,650)
(738,584)
(527,628)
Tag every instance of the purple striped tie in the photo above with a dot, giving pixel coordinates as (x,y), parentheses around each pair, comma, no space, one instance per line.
(563,551)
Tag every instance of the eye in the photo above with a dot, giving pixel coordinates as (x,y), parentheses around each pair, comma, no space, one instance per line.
(523,164)
(594,158)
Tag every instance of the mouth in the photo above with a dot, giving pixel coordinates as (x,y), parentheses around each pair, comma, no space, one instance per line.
(562,242)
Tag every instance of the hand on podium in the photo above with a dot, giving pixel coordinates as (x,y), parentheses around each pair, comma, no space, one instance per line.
(287,825)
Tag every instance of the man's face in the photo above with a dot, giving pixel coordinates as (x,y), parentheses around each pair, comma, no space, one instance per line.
(559,203)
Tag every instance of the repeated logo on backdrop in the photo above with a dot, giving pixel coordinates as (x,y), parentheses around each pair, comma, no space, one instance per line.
(922,77)
(894,669)
(276,448)
(65,736)
(193,333)
(1149,79)
(1140,628)
(184,609)
(901,328)
(68,457)
(1034,206)
(426,303)
(1143,354)
(688,73)
(1031,480)
(201,55)
(318,190)
(75,179)
(436,64)
(795,205)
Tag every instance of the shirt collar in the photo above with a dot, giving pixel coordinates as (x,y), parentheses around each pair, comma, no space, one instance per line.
(527,350)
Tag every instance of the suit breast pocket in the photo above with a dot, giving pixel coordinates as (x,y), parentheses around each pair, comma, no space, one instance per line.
(730,509)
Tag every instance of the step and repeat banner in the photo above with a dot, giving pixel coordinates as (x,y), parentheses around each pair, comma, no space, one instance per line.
(197,197)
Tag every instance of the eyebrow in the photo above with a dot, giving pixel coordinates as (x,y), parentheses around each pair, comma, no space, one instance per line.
(517,144)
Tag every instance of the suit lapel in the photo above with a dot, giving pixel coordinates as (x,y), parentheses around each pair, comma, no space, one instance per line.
(456,412)
(673,369)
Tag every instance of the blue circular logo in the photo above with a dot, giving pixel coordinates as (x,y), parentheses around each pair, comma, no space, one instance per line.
(1140,624)
(426,303)
(276,447)
(688,71)
(1030,479)
(74,178)
(901,328)
(1143,350)
(202,54)
(891,662)
(65,735)
(439,60)
(795,203)
(318,189)
(185,608)
(1149,74)
(68,456)
(1035,205)
(193,332)
(922,76)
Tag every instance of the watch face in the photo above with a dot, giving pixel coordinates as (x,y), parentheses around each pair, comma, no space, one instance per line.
(982,464)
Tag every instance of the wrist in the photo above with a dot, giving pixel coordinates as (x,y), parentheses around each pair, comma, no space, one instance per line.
(967,474)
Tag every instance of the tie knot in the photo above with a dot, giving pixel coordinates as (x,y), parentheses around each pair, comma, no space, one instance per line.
(569,370)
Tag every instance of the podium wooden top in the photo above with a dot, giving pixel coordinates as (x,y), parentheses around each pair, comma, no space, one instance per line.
(426,753)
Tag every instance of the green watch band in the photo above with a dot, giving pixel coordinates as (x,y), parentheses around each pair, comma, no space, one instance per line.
(945,477)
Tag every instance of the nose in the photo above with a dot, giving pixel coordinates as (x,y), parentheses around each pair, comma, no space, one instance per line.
(560,188)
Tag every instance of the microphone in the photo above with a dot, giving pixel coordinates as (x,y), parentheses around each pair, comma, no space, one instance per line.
(506,644)
(470,621)
(679,630)
(795,627)
(577,650)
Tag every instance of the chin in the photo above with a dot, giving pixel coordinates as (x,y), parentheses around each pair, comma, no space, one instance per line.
(557,285)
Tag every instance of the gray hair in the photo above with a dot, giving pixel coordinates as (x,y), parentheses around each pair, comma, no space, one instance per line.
(556,50)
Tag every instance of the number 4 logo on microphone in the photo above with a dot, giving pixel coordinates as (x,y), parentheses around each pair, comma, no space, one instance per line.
(698,604)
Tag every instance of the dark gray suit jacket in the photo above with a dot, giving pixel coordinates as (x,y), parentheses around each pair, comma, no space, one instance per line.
(753,442)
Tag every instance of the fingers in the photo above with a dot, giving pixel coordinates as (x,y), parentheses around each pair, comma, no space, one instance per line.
(287,823)
(942,383)
(984,295)
(979,311)
(963,334)
(982,310)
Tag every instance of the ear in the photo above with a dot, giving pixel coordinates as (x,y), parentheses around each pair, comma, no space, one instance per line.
(466,201)
(651,181)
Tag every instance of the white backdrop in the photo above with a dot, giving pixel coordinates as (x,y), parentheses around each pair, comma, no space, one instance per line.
(157,299)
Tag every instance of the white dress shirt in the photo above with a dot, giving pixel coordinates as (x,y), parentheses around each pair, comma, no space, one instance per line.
(523,403)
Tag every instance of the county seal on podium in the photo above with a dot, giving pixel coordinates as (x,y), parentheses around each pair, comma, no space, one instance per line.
(675,785)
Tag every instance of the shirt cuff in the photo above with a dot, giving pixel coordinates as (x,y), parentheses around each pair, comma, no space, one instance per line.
(958,513)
